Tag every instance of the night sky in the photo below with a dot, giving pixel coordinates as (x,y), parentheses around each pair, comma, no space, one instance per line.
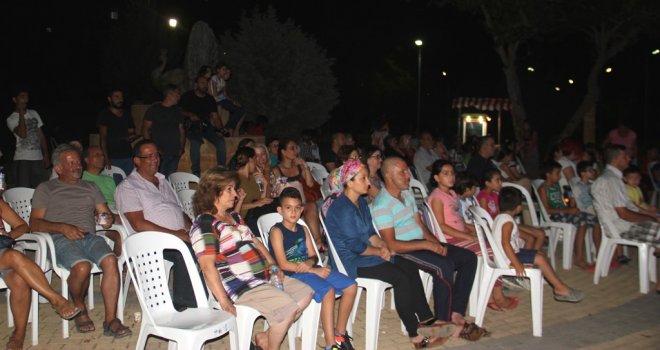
(56,48)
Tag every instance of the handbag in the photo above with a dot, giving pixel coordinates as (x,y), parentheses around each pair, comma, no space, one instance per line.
(312,193)
(6,242)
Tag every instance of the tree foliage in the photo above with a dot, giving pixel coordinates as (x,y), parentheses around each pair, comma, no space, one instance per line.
(279,71)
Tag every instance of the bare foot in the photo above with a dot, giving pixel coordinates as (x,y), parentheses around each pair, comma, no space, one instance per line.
(66,309)
(15,343)
(261,340)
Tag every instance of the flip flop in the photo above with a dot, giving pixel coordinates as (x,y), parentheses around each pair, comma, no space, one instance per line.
(120,332)
(65,313)
(82,324)
(493,306)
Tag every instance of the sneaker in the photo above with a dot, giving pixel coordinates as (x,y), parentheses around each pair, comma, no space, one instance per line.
(573,296)
(344,341)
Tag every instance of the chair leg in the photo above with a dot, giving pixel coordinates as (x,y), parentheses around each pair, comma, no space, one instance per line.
(474,294)
(65,294)
(484,293)
(552,246)
(142,337)
(374,303)
(652,265)
(568,243)
(611,249)
(643,253)
(537,304)
(601,259)
(34,312)
(310,325)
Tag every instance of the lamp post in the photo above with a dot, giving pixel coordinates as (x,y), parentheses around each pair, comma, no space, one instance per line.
(419,44)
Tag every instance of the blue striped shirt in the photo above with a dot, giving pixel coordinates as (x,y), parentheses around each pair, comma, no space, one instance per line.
(389,212)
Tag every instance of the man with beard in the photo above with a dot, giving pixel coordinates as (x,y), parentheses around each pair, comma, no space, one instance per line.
(64,208)
(199,109)
(117,131)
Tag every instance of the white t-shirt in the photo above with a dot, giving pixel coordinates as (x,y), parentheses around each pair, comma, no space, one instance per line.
(565,163)
(28,148)
(516,242)
(218,85)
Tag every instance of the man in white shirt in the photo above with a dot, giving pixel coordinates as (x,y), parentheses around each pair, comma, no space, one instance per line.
(31,158)
(148,202)
(424,157)
(612,202)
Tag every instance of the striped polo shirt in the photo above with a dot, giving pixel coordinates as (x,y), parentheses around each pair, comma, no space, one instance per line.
(388,212)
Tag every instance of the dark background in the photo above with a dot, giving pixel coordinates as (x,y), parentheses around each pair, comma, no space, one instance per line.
(59,50)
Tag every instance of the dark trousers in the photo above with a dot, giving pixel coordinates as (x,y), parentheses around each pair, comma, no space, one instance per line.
(29,173)
(168,164)
(235,113)
(196,136)
(409,298)
(449,294)
(183,295)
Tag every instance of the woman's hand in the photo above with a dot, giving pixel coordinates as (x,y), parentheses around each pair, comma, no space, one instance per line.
(384,253)
(227,305)
(241,194)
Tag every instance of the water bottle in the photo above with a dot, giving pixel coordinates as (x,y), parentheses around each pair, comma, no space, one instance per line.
(275,279)
(260,183)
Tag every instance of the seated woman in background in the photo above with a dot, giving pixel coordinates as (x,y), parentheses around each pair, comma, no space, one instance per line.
(292,171)
(21,276)
(236,266)
(505,162)
(246,142)
(373,158)
(257,201)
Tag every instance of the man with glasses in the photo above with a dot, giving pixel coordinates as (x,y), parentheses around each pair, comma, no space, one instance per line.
(148,202)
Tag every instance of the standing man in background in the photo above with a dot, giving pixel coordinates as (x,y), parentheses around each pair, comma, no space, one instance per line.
(31,158)
(117,132)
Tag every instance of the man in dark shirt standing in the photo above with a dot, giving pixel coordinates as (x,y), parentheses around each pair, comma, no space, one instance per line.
(200,109)
(117,132)
(163,123)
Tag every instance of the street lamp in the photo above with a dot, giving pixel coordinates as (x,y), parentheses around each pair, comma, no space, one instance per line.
(172,22)
(419,44)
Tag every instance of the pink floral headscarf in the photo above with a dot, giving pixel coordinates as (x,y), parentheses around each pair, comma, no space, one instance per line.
(338,178)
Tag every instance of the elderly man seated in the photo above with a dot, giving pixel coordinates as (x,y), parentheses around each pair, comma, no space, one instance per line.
(65,208)
(148,203)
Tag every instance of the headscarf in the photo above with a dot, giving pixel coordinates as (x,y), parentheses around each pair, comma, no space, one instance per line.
(337,178)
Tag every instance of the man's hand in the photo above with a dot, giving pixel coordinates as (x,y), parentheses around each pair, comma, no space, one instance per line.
(71,232)
(264,201)
(437,248)
(227,305)
(322,272)
(520,269)
(384,253)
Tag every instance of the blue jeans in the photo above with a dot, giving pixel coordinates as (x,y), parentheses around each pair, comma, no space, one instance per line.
(168,164)
(196,137)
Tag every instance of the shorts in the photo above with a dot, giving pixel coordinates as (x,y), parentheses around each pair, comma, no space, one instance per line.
(526,256)
(92,249)
(276,305)
(582,218)
(4,272)
(335,279)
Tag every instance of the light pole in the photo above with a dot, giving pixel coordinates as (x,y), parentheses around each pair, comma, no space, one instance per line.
(419,44)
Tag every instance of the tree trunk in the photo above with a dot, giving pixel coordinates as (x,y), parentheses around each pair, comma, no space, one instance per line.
(508,55)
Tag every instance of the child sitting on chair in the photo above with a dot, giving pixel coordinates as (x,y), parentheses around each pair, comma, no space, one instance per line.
(632,176)
(291,245)
(551,198)
(507,236)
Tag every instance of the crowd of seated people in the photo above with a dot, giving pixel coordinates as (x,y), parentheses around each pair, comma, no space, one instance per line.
(375,224)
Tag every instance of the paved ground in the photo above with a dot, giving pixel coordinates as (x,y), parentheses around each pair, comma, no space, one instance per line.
(614,315)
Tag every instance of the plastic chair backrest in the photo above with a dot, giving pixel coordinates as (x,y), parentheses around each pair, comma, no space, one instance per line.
(536,184)
(20,200)
(6,226)
(185,196)
(483,224)
(127,225)
(528,199)
(144,252)
(319,172)
(331,247)
(267,221)
(606,223)
(181,181)
(432,223)
(114,170)
(419,191)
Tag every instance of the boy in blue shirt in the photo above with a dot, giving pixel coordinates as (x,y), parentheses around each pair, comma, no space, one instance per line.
(289,242)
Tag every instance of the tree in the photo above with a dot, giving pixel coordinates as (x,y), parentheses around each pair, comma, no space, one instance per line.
(510,23)
(609,27)
(281,72)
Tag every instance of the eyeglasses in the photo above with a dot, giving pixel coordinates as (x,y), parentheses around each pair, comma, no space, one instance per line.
(377,156)
(150,156)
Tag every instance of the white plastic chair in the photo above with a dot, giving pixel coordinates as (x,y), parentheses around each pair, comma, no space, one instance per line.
(562,231)
(656,186)
(34,243)
(308,324)
(114,170)
(492,270)
(64,275)
(181,181)
(610,239)
(190,328)
(419,191)
(185,196)
(432,223)
(20,200)
(375,296)
(319,172)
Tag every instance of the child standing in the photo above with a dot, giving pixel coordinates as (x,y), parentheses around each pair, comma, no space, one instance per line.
(289,242)
(506,234)
(551,198)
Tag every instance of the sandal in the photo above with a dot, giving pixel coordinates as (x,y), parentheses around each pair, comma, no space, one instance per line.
(120,331)
(513,303)
(472,332)
(428,342)
(436,329)
(66,310)
(493,306)
(82,326)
